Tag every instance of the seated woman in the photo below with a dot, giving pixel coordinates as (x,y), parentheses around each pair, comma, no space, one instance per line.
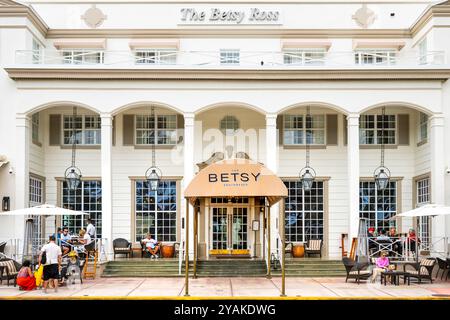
(25,278)
(151,246)
(84,237)
(382,264)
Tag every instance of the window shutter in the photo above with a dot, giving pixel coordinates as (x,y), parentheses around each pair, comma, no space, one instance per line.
(114,130)
(403,129)
(280,129)
(345,130)
(332,130)
(180,127)
(128,129)
(55,130)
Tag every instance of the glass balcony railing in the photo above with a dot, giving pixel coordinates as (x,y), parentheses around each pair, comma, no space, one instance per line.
(245,59)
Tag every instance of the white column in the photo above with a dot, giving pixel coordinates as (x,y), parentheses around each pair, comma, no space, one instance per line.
(353,176)
(106,156)
(21,171)
(272,164)
(188,155)
(437,147)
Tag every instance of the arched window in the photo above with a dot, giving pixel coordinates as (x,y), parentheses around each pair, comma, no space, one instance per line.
(229,124)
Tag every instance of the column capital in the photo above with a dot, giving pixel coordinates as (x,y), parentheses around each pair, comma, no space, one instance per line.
(189,118)
(22,120)
(106,119)
(437,120)
(353,119)
(271,119)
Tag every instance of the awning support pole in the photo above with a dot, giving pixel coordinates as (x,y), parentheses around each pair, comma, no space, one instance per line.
(283,251)
(269,257)
(186,252)
(195,240)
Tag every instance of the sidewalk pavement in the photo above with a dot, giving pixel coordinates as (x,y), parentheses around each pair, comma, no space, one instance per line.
(234,287)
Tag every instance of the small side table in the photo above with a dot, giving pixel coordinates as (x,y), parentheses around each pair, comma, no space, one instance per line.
(395,277)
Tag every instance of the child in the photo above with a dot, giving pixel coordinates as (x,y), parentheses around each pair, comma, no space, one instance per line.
(25,278)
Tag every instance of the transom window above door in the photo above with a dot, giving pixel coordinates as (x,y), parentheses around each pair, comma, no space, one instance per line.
(302,129)
(87,129)
(229,125)
(165,128)
(374,129)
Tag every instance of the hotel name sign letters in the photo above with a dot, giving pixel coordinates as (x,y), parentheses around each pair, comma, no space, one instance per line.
(229,16)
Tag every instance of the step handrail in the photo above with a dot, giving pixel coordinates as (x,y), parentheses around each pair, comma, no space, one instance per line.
(180,257)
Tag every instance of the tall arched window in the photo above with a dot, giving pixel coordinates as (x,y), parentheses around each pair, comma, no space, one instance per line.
(229,125)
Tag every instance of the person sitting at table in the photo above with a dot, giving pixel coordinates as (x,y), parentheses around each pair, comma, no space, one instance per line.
(65,240)
(57,236)
(151,245)
(25,278)
(381,265)
(84,237)
(383,236)
(412,240)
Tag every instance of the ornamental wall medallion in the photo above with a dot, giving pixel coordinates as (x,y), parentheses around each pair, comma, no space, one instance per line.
(94,17)
(364,16)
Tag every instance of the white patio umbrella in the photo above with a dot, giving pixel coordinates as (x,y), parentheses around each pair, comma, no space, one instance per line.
(427,210)
(43,210)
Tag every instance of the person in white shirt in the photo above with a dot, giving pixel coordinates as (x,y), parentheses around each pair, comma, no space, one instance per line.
(151,245)
(52,264)
(90,229)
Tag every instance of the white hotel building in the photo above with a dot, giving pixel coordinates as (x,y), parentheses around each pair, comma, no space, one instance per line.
(215,71)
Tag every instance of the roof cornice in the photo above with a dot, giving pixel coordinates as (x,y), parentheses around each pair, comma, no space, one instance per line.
(25,11)
(440,10)
(228,74)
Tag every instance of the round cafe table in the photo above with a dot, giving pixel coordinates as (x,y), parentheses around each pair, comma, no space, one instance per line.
(298,250)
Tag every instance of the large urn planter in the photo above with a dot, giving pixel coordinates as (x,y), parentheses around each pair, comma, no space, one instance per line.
(298,250)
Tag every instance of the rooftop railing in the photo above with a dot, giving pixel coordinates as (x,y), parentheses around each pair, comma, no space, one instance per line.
(244,59)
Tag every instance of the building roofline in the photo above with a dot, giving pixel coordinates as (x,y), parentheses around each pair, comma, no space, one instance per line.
(29,73)
(10,8)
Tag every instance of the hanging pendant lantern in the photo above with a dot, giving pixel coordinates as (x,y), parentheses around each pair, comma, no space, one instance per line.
(153,174)
(307,174)
(382,174)
(72,175)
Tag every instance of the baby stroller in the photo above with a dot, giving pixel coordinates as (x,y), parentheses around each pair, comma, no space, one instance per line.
(71,272)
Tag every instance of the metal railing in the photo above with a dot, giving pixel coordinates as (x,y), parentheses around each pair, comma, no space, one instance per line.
(14,248)
(401,248)
(181,256)
(246,59)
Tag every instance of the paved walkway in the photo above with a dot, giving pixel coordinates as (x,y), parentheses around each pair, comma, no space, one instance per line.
(235,287)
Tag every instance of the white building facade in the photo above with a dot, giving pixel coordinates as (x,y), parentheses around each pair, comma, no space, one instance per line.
(229,78)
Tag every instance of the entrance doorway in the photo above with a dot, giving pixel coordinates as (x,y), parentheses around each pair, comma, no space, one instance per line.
(229,230)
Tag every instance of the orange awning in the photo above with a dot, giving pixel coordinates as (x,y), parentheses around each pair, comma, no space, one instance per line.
(236,178)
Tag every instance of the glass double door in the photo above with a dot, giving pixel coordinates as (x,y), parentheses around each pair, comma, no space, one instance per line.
(229,230)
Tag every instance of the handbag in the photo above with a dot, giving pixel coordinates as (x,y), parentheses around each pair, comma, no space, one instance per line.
(44,258)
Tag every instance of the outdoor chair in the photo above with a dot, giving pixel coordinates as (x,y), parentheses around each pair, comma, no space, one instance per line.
(356,270)
(422,270)
(444,266)
(122,246)
(314,247)
(2,247)
(10,270)
(288,248)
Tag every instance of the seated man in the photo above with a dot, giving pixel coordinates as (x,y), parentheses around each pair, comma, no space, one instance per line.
(65,240)
(151,245)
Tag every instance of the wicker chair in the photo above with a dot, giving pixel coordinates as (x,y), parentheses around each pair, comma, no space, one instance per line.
(422,270)
(11,270)
(314,247)
(122,246)
(2,247)
(444,266)
(355,270)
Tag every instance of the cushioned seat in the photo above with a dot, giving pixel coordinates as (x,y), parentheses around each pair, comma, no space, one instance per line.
(10,270)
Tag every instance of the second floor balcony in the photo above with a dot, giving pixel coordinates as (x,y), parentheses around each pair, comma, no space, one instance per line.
(230,59)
